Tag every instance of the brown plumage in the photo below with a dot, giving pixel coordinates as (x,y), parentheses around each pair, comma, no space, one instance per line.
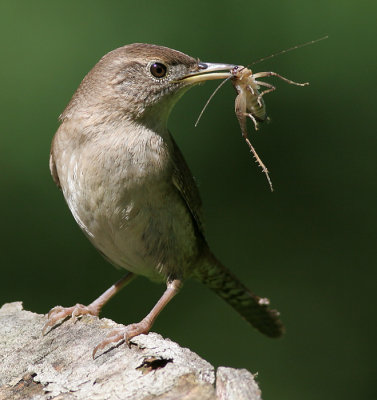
(129,188)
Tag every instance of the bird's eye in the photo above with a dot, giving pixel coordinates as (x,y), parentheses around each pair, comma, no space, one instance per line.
(158,70)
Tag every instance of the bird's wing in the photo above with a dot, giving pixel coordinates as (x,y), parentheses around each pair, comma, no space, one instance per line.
(54,172)
(184,182)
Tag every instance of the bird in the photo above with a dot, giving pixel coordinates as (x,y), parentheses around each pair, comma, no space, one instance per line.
(130,190)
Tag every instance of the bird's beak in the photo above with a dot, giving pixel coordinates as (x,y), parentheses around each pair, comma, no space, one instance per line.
(207,72)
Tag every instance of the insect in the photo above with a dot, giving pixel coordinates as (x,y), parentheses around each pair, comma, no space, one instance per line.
(249,100)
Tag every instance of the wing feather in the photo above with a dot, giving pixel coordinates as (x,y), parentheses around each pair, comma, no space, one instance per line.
(185,183)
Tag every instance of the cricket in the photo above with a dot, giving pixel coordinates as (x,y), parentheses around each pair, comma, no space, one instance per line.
(249,102)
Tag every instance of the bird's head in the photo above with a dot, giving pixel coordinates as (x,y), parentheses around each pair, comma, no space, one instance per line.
(140,82)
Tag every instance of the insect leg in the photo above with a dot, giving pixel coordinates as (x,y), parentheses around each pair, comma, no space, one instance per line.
(270,89)
(250,89)
(260,162)
(265,74)
(251,116)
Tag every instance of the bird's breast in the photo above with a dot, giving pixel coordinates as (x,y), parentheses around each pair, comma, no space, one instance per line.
(121,194)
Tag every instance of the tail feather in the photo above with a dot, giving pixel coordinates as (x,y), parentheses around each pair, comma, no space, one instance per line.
(251,307)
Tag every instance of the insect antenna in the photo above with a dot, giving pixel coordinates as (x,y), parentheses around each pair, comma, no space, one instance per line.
(253,63)
(298,46)
(210,98)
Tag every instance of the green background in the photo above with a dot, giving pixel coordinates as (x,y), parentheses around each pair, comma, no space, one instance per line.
(310,246)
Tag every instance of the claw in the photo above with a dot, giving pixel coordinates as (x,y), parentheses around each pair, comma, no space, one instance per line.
(125,333)
(113,337)
(59,313)
(55,309)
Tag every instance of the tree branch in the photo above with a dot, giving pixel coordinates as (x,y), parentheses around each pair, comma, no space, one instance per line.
(59,365)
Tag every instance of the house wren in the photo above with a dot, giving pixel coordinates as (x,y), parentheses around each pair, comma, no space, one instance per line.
(130,189)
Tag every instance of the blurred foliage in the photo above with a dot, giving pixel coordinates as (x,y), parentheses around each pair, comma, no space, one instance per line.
(310,246)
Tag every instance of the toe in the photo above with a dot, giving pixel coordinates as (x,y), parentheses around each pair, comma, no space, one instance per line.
(59,313)
(113,337)
(125,333)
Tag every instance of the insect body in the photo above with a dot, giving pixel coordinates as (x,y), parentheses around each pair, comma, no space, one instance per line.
(249,102)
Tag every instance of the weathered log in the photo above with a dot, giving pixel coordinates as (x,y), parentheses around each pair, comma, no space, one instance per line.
(60,366)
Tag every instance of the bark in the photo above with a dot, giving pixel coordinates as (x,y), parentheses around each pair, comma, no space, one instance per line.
(59,365)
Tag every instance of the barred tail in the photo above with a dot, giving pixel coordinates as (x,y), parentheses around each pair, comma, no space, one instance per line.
(251,307)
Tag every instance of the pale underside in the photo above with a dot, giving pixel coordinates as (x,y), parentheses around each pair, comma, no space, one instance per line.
(136,216)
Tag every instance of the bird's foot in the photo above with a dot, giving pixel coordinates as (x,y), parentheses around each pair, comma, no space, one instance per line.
(124,333)
(59,313)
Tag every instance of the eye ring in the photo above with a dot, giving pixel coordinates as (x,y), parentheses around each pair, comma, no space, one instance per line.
(158,70)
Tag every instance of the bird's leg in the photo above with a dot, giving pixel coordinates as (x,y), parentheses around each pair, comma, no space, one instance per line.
(59,313)
(127,332)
